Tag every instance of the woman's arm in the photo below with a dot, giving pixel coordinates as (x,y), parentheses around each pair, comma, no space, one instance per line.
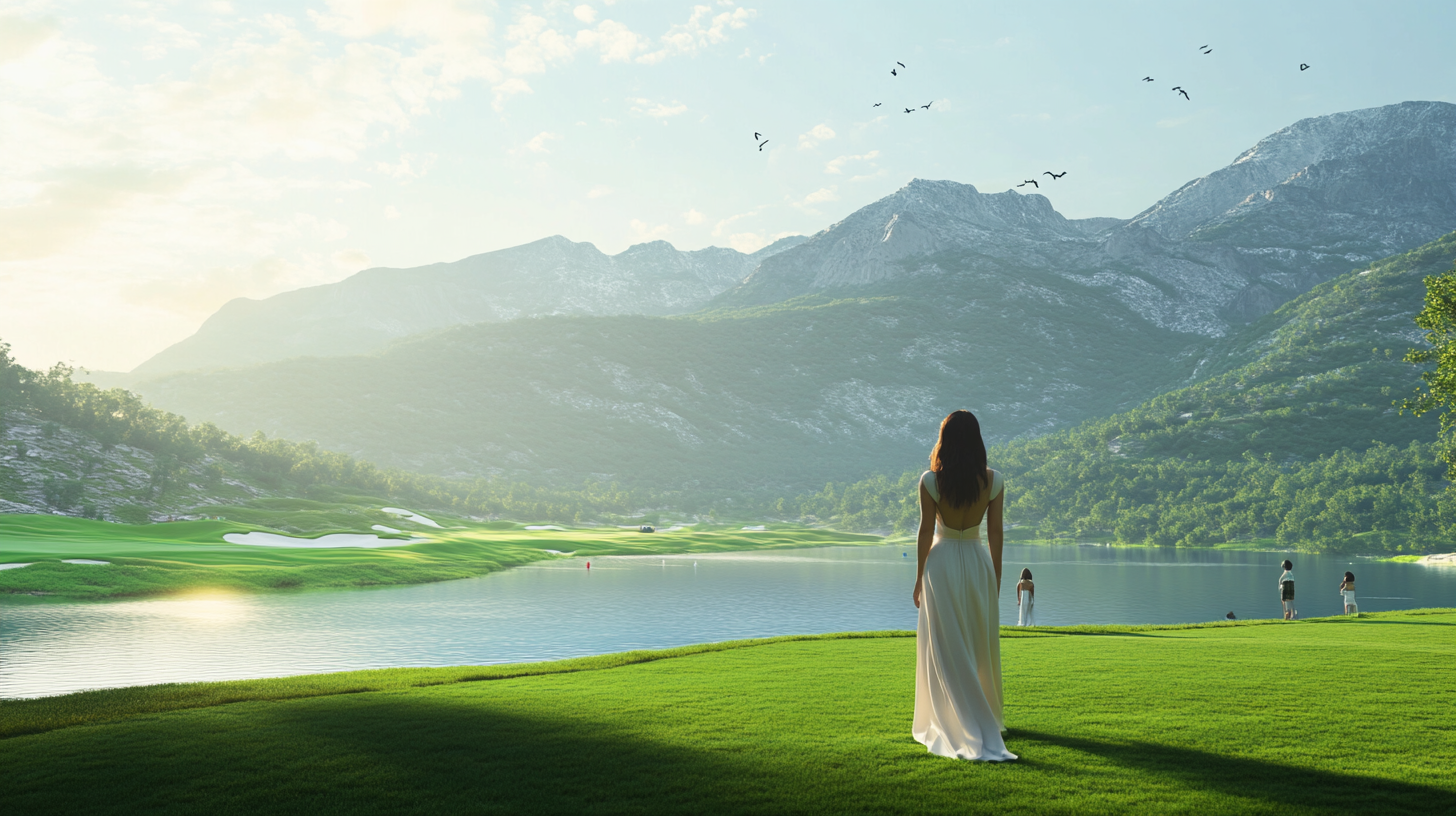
(994,534)
(923,539)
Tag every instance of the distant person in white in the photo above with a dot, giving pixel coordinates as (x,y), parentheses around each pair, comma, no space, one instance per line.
(1347,591)
(1025,598)
(957,584)
(1286,590)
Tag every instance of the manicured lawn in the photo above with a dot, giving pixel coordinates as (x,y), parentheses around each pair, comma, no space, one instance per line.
(154,559)
(1326,716)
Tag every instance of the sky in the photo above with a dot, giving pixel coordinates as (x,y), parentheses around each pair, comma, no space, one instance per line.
(158,159)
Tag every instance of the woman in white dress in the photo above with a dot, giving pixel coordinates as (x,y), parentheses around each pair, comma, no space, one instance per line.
(957,584)
(1026,600)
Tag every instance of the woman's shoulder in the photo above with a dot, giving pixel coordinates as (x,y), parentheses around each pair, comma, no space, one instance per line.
(927,481)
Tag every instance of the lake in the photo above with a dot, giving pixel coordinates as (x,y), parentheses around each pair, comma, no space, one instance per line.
(559,609)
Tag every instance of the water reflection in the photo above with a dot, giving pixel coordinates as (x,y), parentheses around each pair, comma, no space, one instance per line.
(559,609)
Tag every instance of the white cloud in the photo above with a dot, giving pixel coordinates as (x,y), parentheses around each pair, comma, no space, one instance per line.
(693,217)
(407,169)
(537,143)
(721,228)
(643,232)
(701,30)
(613,40)
(507,89)
(390,212)
(599,191)
(350,260)
(836,165)
(21,35)
(819,133)
(585,13)
(658,110)
(747,241)
(821,195)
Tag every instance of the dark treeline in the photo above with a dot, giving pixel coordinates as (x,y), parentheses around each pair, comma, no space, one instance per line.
(1383,499)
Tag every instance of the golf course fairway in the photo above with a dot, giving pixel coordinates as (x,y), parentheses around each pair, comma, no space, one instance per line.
(1348,716)
(183,556)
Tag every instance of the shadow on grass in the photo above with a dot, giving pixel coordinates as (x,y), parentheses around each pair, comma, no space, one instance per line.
(1264,782)
(418,754)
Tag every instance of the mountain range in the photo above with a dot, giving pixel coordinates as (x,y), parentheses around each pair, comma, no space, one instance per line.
(368,310)
(826,358)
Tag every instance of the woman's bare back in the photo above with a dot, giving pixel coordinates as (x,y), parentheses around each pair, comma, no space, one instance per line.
(968,516)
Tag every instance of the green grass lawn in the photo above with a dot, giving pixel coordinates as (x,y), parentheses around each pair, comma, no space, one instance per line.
(1327,716)
(181,556)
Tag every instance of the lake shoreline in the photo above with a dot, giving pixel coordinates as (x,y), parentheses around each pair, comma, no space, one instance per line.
(440,555)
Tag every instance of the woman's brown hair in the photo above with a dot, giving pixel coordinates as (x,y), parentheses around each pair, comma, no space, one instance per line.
(959,460)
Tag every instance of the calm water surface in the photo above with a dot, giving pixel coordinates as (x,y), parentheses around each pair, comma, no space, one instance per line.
(559,609)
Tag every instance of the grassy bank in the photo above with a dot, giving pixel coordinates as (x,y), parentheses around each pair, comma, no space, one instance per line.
(155,559)
(1338,715)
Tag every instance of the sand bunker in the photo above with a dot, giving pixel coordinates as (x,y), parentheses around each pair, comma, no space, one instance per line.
(415,517)
(334,541)
(85,561)
(545,527)
(15,566)
(759,528)
(553,552)
(381,528)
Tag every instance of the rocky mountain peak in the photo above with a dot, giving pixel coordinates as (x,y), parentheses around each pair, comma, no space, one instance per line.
(1392,136)
(922,218)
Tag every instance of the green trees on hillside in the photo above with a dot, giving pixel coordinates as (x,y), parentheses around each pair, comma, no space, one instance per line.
(1438,319)
(117,417)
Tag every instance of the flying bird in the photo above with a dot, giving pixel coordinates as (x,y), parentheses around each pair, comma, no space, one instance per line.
(901,64)
(1303,67)
(1201,47)
(1032,182)
(877,104)
(1055,176)
(927,105)
(909,110)
(1209,51)
(1177,88)
(1147,79)
(757,136)
(760,147)
(1185,94)
(892,72)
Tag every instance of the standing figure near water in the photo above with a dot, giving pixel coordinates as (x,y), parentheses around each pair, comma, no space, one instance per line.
(1286,590)
(957,585)
(1347,591)
(1025,597)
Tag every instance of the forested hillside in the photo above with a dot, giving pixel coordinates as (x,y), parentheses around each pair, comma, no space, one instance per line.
(1293,439)
(68,447)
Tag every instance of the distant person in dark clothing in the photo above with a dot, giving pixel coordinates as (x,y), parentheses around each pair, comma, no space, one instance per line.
(1286,591)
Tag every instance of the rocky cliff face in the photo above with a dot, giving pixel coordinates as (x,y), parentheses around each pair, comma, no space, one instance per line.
(1309,202)
(372,308)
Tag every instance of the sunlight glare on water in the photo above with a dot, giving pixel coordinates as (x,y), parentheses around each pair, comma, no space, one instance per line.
(559,609)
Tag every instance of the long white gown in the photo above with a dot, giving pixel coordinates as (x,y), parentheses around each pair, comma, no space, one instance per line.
(958,646)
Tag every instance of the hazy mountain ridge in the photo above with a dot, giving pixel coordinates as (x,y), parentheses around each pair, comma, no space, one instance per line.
(733,402)
(372,308)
